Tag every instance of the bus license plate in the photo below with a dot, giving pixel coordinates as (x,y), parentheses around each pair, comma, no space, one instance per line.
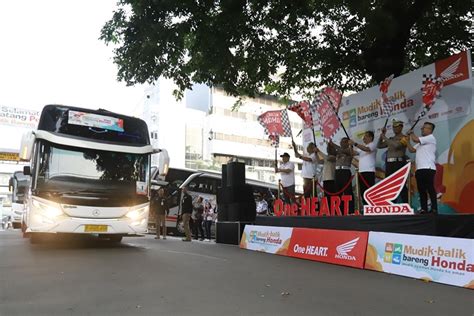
(95,228)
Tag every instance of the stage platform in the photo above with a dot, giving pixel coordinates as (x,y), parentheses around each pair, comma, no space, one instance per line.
(461,226)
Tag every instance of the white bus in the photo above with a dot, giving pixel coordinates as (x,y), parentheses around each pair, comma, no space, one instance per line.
(202,183)
(18,186)
(90,174)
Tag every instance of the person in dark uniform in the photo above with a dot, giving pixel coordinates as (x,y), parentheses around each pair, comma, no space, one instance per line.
(396,152)
(161,207)
(343,174)
(186,211)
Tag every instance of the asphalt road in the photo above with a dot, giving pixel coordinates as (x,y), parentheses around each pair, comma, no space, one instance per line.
(143,276)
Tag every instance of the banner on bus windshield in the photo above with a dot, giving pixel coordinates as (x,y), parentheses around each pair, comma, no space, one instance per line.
(95,120)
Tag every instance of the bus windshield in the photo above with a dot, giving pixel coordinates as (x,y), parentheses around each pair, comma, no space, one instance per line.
(91,177)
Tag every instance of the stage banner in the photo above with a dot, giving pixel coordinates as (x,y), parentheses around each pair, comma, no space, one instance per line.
(452,113)
(437,259)
(340,247)
(266,239)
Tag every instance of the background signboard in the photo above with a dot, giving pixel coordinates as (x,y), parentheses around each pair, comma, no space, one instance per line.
(14,121)
(331,246)
(266,239)
(438,259)
(452,113)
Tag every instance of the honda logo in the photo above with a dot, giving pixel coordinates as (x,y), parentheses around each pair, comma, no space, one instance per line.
(380,196)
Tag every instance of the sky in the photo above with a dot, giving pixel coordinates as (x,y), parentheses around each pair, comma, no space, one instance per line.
(50,54)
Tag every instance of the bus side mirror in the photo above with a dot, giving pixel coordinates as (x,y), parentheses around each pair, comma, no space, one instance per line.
(163,164)
(27,170)
(26,147)
(10,184)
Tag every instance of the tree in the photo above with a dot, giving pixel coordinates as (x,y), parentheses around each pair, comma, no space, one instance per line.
(282,46)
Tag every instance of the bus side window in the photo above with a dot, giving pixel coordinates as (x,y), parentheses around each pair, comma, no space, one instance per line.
(214,185)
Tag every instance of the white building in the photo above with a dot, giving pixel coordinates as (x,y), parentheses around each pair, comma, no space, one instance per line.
(201,131)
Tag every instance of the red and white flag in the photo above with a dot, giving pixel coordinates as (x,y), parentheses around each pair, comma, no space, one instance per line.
(385,101)
(276,123)
(431,89)
(327,117)
(274,140)
(335,97)
(303,111)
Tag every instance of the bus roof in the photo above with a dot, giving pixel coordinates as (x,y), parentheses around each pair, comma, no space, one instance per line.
(98,125)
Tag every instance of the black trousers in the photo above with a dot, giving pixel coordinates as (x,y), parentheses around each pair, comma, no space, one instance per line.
(197,229)
(308,187)
(207,228)
(425,184)
(391,168)
(369,177)
(329,186)
(289,194)
(343,176)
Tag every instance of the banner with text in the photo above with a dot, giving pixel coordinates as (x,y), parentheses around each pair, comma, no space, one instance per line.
(331,246)
(437,259)
(341,247)
(452,113)
(266,239)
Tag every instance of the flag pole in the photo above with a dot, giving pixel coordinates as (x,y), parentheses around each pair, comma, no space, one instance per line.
(338,118)
(276,160)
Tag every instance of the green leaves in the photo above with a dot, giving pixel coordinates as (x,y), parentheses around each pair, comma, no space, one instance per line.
(282,47)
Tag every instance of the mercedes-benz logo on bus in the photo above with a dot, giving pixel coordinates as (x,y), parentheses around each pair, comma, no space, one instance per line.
(96,212)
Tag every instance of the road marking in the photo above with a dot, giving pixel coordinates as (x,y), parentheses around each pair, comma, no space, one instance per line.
(194,254)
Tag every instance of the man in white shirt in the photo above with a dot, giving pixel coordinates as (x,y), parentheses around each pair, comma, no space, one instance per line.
(262,205)
(308,171)
(287,170)
(425,150)
(366,152)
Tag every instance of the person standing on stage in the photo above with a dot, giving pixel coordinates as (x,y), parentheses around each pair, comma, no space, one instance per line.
(396,152)
(287,170)
(308,171)
(343,174)
(329,169)
(425,150)
(367,152)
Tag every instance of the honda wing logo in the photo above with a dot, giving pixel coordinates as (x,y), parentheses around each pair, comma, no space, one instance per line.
(344,250)
(453,69)
(449,72)
(380,196)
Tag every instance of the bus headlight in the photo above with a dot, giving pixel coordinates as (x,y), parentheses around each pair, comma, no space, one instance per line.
(136,214)
(47,210)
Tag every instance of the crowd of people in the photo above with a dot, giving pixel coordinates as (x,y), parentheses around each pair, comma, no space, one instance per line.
(197,216)
(336,177)
(339,158)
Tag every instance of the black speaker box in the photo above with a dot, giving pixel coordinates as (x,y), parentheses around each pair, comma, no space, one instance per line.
(224,176)
(229,232)
(222,213)
(234,212)
(221,197)
(236,194)
(235,174)
(248,211)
